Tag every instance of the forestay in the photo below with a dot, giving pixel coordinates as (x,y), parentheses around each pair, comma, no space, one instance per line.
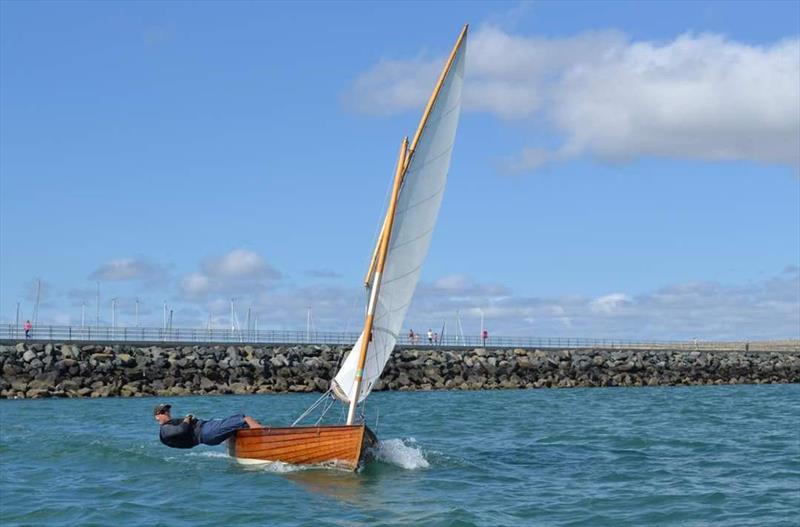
(414,220)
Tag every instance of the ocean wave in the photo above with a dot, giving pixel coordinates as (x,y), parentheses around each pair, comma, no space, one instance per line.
(208,454)
(403,453)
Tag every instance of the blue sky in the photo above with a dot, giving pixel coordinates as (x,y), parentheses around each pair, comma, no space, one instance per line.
(621,169)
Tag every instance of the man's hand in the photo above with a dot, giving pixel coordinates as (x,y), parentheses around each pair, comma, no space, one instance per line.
(190,419)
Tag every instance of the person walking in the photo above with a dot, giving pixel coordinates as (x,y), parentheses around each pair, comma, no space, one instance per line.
(28,326)
(411,336)
(430,336)
(484,336)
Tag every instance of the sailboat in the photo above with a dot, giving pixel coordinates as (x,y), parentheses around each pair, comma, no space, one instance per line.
(395,266)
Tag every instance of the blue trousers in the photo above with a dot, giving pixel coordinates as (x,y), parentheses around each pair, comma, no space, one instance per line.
(216,431)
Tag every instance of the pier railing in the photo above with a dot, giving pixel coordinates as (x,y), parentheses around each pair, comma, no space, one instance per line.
(10,332)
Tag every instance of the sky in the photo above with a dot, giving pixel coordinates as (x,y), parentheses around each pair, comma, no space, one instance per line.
(621,169)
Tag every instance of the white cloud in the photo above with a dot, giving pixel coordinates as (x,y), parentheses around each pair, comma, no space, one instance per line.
(462,286)
(237,273)
(765,309)
(128,269)
(195,285)
(239,264)
(698,96)
(609,304)
(392,86)
(769,309)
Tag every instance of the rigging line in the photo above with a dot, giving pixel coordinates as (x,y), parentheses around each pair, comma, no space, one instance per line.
(312,407)
(364,410)
(325,410)
(379,226)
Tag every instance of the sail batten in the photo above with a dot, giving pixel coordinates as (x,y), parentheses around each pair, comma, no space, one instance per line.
(423,180)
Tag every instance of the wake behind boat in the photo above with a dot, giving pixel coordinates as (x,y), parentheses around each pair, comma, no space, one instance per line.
(419,182)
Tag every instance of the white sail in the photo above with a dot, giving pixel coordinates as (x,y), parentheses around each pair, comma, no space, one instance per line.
(414,220)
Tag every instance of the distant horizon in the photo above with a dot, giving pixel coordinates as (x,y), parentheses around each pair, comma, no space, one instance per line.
(621,170)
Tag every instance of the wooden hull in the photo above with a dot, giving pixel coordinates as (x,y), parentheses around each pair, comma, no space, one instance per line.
(338,446)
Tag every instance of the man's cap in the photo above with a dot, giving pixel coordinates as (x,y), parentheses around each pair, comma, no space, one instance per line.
(161,408)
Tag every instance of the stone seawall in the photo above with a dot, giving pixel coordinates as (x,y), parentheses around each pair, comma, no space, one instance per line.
(34,370)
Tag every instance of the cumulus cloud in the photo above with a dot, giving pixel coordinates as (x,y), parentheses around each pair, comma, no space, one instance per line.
(463,286)
(698,96)
(333,308)
(609,304)
(708,310)
(769,309)
(128,269)
(239,264)
(195,285)
(237,272)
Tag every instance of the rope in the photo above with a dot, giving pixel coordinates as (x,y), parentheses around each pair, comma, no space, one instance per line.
(325,411)
(312,407)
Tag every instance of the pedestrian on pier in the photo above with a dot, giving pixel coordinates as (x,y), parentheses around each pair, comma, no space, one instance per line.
(412,337)
(28,326)
(484,336)
(430,336)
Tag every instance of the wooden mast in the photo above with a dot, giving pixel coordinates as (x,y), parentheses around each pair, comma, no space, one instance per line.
(417,134)
(366,335)
(374,259)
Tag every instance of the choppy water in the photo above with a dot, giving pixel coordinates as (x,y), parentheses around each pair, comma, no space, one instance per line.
(727,455)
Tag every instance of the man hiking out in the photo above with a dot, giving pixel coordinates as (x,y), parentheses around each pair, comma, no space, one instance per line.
(189,431)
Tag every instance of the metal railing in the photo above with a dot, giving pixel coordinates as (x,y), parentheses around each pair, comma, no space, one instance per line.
(10,332)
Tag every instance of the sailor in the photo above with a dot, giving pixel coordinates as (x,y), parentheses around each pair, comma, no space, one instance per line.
(190,431)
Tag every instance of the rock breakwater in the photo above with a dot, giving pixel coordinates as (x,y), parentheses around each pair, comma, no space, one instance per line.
(32,370)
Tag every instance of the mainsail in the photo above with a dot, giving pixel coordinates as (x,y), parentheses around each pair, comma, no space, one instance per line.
(415,215)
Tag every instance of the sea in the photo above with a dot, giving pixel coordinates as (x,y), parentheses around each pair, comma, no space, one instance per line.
(701,455)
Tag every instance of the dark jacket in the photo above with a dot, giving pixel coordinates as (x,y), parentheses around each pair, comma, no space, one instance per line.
(177,433)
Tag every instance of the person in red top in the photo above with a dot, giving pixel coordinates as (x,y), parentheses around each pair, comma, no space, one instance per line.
(28,326)
(484,336)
